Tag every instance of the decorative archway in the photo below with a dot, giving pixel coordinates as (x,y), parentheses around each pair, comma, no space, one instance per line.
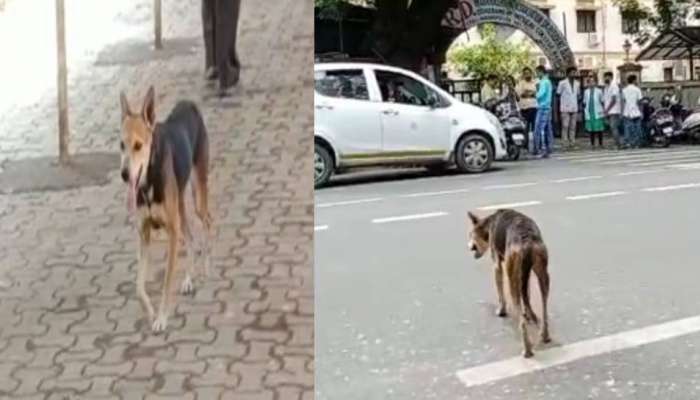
(519,15)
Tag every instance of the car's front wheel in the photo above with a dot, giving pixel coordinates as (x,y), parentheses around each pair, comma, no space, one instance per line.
(474,154)
(323,165)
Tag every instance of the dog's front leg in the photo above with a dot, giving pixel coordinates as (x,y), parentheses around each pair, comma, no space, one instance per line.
(498,272)
(142,272)
(161,322)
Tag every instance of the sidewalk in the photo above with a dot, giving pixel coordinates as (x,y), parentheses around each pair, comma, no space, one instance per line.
(72,325)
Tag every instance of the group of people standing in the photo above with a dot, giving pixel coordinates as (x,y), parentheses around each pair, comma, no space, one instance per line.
(605,109)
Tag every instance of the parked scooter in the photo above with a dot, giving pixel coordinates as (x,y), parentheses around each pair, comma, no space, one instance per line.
(659,124)
(513,125)
(691,125)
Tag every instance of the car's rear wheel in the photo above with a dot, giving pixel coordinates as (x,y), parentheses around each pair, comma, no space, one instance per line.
(474,154)
(323,165)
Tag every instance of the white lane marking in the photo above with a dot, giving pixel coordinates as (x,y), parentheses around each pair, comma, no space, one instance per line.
(663,162)
(440,193)
(510,205)
(611,154)
(672,187)
(595,195)
(510,186)
(642,158)
(577,179)
(499,370)
(408,217)
(348,202)
(320,228)
(685,166)
(648,171)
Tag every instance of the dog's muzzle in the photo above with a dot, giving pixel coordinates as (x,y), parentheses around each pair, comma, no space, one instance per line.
(475,250)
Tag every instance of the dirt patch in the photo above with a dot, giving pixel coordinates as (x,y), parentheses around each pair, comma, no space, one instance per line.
(46,174)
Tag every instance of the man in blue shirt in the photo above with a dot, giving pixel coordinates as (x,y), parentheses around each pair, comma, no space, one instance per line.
(544,136)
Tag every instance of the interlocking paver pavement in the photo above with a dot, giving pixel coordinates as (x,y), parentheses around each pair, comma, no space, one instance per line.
(72,326)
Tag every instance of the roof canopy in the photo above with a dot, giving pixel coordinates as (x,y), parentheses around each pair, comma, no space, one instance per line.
(673,44)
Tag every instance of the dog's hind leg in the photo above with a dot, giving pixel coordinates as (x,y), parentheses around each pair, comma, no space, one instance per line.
(540,269)
(201,201)
(514,269)
(142,272)
(187,284)
(498,272)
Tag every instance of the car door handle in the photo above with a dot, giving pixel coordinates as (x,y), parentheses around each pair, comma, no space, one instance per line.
(390,112)
(323,107)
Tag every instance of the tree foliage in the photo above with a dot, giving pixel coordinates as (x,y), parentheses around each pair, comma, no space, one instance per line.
(664,15)
(491,56)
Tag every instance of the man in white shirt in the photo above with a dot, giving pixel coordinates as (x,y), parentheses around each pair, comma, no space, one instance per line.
(612,104)
(631,113)
(569,91)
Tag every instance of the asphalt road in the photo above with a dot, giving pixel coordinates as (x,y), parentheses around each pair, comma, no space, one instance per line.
(404,312)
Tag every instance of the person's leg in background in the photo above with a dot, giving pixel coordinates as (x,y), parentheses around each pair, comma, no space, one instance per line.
(565,121)
(530,115)
(226,22)
(208,24)
(549,133)
(639,133)
(537,133)
(572,128)
(233,53)
(615,131)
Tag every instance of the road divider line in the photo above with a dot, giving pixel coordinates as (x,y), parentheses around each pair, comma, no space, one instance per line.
(673,187)
(609,155)
(320,228)
(349,202)
(510,205)
(648,171)
(439,193)
(595,195)
(408,217)
(662,162)
(694,165)
(496,371)
(510,186)
(577,179)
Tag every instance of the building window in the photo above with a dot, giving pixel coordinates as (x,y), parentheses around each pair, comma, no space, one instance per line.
(585,21)
(668,74)
(630,25)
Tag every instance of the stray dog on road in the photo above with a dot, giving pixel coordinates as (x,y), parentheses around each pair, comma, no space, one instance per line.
(516,245)
(157,161)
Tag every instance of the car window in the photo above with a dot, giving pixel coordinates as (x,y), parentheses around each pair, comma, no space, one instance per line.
(347,84)
(402,89)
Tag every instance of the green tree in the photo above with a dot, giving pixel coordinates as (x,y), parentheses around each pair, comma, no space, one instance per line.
(491,56)
(664,15)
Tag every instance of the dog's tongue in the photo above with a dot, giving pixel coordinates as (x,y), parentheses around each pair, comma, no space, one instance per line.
(131,198)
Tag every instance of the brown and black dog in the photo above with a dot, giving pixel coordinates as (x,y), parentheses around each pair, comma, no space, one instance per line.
(516,245)
(157,161)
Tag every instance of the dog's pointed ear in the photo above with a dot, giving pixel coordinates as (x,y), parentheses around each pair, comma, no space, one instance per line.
(475,219)
(149,107)
(125,105)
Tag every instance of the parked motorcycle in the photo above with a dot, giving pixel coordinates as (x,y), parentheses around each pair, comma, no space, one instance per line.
(513,124)
(691,127)
(659,123)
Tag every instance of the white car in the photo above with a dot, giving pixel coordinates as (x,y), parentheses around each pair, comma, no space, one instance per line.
(377,115)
